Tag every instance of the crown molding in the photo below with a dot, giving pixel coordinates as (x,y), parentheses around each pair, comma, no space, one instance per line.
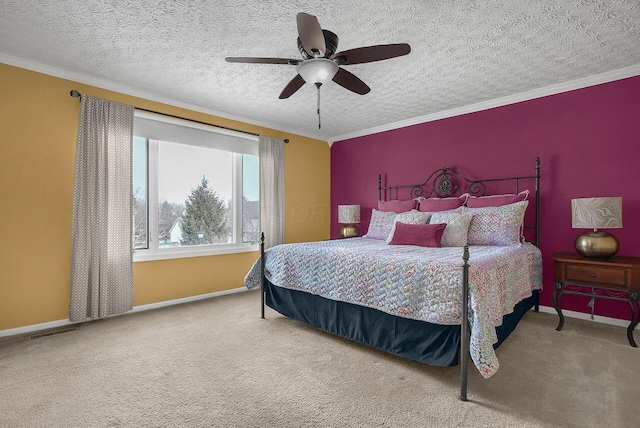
(584,82)
(135,92)
(107,84)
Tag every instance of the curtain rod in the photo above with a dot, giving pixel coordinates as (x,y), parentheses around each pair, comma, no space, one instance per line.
(76,94)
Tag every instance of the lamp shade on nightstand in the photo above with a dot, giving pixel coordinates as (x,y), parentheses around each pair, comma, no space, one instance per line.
(596,213)
(348,215)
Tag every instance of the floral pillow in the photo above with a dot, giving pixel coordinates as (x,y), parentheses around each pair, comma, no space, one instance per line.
(455,234)
(410,217)
(380,225)
(496,225)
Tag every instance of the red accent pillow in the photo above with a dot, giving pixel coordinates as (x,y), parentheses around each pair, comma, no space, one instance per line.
(442,204)
(496,200)
(397,206)
(423,235)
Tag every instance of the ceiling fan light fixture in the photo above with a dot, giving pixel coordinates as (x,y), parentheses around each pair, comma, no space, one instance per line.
(318,70)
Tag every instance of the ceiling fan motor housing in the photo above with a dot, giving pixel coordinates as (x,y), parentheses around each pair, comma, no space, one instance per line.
(331,44)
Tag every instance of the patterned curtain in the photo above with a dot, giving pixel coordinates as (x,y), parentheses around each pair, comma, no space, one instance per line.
(271,152)
(101,247)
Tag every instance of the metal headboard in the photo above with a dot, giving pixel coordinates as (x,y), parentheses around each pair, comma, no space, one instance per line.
(448,182)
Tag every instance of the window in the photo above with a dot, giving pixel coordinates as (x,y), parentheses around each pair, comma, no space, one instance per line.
(195,189)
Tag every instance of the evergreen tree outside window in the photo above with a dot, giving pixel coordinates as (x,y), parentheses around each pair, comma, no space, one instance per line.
(204,214)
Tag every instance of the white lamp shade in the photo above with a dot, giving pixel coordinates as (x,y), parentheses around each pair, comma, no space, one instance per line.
(318,70)
(596,213)
(348,214)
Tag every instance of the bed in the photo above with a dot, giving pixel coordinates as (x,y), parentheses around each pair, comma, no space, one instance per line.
(408,299)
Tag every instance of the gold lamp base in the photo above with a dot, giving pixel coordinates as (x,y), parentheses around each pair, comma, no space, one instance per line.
(349,231)
(596,244)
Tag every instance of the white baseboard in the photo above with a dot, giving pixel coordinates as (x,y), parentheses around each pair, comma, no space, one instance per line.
(186,299)
(587,317)
(62,323)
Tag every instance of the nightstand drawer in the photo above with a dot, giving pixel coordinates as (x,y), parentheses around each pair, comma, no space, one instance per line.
(596,274)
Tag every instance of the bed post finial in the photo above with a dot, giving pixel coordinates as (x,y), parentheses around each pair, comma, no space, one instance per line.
(262,275)
(379,187)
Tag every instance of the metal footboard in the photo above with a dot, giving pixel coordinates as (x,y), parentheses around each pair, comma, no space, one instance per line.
(465,336)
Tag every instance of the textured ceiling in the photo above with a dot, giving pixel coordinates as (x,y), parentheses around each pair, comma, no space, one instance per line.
(463,51)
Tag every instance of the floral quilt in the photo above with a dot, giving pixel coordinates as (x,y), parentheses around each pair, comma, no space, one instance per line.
(412,282)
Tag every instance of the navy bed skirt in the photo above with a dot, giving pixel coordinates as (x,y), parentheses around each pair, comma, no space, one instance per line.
(416,340)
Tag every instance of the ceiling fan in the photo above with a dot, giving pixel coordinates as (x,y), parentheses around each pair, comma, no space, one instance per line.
(320,63)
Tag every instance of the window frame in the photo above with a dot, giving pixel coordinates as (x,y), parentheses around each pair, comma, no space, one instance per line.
(153,252)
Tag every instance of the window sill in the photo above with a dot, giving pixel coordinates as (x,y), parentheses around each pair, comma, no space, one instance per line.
(146,255)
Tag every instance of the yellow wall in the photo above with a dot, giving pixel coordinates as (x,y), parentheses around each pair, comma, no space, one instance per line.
(38,122)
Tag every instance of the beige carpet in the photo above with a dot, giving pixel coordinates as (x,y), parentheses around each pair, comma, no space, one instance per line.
(215,363)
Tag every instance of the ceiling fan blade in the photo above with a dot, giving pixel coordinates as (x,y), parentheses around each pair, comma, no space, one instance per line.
(291,88)
(310,34)
(249,60)
(371,53)
(349,81)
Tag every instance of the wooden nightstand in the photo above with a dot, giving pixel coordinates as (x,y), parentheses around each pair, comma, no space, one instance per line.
(615,278)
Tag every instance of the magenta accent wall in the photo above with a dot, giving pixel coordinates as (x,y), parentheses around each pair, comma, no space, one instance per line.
(588,141)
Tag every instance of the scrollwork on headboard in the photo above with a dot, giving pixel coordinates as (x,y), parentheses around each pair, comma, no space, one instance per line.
(442,183)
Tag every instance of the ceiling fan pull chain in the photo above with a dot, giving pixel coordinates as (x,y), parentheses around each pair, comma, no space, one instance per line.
(318,86)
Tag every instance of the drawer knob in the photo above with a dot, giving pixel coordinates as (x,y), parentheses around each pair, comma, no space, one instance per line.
(593,275)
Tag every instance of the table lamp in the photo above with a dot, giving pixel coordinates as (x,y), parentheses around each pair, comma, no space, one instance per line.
(596,213)
(347,215)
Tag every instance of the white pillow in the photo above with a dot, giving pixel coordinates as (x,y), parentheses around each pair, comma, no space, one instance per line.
(455,235)
(409,217)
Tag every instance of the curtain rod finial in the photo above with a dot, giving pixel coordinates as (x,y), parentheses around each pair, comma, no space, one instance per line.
(74,94)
